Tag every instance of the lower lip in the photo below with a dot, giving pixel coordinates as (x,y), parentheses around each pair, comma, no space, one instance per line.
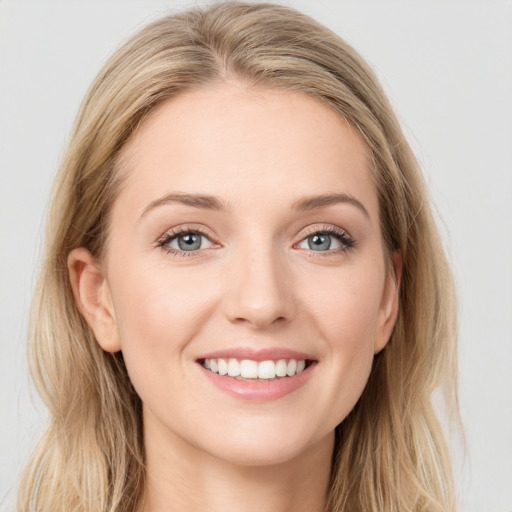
(261,390)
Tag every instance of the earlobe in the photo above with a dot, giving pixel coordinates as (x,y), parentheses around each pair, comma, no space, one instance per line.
(93,299)
(390,303)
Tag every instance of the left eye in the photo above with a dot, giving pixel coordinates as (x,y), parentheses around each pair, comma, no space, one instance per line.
(320,242)
(189,241)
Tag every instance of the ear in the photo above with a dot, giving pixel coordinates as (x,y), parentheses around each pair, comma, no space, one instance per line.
(93,299)
(389,305)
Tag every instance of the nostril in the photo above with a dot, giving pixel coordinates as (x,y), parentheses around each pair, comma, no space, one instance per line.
(259,320)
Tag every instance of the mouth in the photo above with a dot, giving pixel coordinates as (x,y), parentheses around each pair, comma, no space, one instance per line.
(257,374)
(253,371)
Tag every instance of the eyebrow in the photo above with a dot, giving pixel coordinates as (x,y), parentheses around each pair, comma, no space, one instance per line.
(208,202)
(316,202)
(196,200)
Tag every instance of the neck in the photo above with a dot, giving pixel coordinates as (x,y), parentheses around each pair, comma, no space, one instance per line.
(181,478)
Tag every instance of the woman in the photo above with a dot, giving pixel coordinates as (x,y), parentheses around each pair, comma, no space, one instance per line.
(244,302)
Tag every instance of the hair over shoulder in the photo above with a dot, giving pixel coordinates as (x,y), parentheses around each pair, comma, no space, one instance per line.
(390,453)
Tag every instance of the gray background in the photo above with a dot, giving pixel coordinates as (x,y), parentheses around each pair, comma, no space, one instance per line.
(447,66)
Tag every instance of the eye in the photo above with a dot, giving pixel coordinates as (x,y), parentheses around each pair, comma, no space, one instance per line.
(186,241)
(332,240)
(320,242)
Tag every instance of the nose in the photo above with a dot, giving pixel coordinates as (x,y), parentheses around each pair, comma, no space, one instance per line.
(259,290)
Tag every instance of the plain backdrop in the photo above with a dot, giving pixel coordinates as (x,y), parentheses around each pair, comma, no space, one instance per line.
(447,67)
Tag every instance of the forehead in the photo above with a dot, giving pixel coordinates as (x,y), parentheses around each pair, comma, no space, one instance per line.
(245,144)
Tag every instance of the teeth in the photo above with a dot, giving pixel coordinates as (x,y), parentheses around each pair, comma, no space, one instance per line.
(233,368)
(281,368)
(267,370)
(223,366)
(249,369)
(291,367)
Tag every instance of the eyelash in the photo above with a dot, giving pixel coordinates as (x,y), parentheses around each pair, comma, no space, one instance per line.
(171,235)
(347,241)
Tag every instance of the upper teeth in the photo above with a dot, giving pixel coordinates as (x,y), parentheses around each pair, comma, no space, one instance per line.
(249,369)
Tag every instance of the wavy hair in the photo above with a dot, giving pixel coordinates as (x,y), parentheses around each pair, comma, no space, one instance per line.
(390,453)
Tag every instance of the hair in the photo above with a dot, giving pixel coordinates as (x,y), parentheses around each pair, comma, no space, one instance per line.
(390,453)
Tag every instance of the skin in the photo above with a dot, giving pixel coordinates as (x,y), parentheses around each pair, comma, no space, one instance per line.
(255,283)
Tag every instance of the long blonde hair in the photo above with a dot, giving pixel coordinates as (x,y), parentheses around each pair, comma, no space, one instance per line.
(390,454)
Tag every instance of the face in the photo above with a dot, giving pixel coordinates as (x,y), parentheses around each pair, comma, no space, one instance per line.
(245,239)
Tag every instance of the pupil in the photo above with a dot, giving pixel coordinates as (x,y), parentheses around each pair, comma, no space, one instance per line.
(189,242)
(319,242)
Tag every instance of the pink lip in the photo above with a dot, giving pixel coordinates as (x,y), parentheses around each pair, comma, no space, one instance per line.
(258,391)
(262,390)
(262,354)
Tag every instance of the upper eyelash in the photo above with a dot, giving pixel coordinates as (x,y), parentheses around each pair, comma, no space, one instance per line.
(170,235)
(348,241)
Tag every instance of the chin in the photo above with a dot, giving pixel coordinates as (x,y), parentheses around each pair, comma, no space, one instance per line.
(260,448)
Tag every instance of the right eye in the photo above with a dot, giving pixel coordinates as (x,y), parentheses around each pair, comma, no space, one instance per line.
(186,241)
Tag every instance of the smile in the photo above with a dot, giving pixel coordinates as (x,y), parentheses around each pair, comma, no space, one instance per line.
(260,374)
(256,370)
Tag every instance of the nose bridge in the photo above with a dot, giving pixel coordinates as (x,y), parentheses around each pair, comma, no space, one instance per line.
(260,286)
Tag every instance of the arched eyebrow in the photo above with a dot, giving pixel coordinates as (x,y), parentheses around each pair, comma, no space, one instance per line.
(208,202)
(320,201)
(195,200)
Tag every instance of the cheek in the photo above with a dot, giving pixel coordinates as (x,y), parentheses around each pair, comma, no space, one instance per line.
(346,313)
(346,305)
(158,314)
(151,298)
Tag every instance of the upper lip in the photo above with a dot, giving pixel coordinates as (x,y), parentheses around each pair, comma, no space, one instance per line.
(257,354)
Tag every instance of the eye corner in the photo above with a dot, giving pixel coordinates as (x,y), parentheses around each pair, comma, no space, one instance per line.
(174,241)
(343,241)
